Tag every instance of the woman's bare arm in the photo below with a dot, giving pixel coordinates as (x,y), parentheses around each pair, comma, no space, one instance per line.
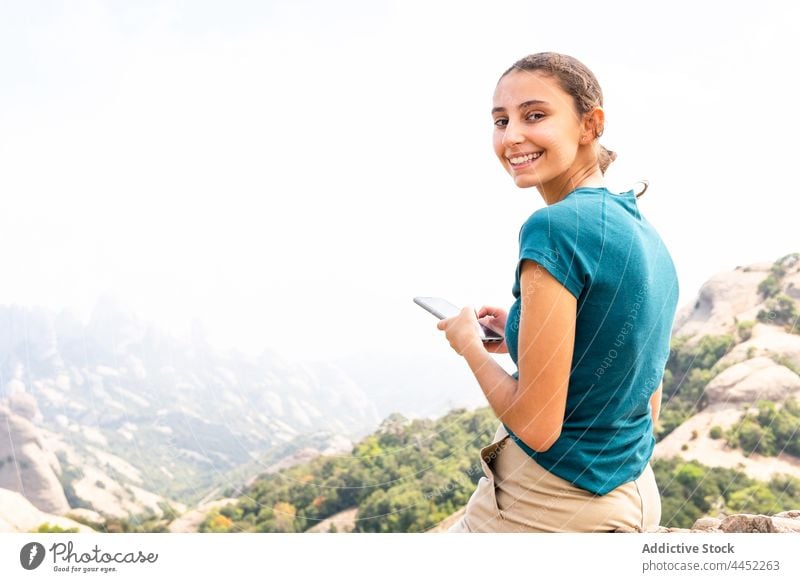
(655,403)
(546,342)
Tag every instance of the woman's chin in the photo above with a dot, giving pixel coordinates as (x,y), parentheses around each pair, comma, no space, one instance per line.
(525,181)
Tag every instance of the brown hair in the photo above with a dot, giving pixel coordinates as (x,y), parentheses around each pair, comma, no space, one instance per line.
(576,79)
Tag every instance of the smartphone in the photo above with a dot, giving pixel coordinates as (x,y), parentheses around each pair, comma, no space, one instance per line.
(443,309)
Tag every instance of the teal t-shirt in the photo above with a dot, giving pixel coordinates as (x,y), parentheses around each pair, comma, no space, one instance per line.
(600,247)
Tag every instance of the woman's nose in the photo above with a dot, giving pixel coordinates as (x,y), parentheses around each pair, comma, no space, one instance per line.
(512,135)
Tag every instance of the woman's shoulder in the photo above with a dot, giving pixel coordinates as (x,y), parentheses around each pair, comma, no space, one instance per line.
(562,217)
(552,212)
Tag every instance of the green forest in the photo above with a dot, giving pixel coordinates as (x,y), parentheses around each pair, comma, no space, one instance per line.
(406,477)
(410,475)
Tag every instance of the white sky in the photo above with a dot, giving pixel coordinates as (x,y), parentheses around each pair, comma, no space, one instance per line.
(292,173)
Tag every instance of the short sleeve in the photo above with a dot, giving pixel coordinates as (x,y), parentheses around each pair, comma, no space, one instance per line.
(551,238)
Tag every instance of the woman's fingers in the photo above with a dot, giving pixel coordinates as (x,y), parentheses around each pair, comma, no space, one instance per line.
(493,317)
(491,310)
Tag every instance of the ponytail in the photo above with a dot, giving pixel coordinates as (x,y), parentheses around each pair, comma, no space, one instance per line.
(604,157)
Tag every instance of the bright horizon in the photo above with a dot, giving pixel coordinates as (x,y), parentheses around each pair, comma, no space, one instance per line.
(291,175)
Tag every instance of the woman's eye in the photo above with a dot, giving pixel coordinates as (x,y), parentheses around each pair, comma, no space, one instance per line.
(533,116)
(500,122)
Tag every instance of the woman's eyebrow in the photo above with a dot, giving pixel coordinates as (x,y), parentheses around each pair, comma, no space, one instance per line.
(522,105)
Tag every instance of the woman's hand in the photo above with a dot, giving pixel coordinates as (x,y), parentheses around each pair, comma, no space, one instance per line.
(495,319)
(462,330)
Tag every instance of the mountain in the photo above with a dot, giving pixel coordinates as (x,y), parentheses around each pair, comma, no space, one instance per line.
(756,308)
(127,419)
(17,514)
(24,447)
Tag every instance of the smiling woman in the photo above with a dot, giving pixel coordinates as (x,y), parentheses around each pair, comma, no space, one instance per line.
(595,297)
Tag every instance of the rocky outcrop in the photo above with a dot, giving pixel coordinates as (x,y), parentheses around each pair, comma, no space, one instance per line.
(26,464)
(731,297)
(766,340)
(106,482)
(759,378)
(721,300)
(762,365)
(784,522)
(29,464)
(17,514)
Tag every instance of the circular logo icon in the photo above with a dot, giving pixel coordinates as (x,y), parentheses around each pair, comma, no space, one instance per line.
(31,556)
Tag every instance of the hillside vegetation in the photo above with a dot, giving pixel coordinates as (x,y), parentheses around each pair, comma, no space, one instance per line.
(409,476)
(689,369)
(406,477)
(768,430)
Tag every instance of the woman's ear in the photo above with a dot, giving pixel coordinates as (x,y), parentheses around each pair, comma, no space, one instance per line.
(598,117)
(593,125)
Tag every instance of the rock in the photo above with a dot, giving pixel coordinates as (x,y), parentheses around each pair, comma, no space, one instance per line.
(27,465)
(112,497)
(746,523)
(708,524)
(17,514)
(784,522)
(732,296)
(785,525)
(722,298)
(755,379)
(766,340)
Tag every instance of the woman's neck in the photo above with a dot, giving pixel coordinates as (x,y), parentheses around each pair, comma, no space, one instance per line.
(590,177)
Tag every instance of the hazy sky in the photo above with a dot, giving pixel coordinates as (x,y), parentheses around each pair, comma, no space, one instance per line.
(292,173)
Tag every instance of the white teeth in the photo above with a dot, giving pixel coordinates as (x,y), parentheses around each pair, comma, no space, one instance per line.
(523,159)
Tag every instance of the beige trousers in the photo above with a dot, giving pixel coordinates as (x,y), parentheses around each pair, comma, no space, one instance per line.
(517,494)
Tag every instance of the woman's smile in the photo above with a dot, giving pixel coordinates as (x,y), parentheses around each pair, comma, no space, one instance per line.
(522,161)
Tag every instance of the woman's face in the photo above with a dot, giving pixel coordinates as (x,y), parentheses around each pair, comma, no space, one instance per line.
(537,131)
